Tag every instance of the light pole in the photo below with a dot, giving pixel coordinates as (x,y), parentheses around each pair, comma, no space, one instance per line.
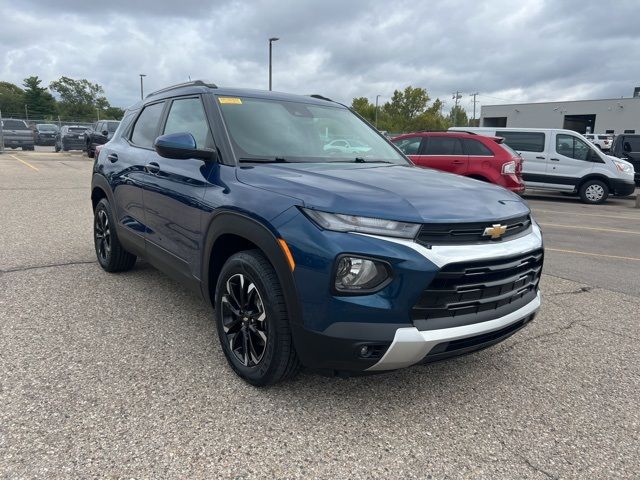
(377,97)
(271,40)
(2,136)
(142,75)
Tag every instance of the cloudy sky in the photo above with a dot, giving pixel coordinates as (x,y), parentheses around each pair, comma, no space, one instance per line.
(507,51)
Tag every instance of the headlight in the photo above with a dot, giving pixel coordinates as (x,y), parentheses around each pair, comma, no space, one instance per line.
(509,168)
(624,167)
(375,226)
(360,275)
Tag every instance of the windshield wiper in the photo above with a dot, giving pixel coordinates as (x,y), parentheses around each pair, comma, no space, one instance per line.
(363,160)
(264,160)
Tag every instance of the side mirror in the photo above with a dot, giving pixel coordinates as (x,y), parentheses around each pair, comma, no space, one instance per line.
(105,133)
(181,146)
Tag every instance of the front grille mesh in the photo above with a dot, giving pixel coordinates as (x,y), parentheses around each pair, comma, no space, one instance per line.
(461,233)
(468,292)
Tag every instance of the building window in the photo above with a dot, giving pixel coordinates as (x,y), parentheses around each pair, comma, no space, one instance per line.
(629,131)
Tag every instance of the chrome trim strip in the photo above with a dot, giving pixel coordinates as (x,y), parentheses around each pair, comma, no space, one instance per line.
(442,255)
(411,345)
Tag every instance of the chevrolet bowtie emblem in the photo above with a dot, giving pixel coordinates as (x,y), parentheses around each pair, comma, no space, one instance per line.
(495,231)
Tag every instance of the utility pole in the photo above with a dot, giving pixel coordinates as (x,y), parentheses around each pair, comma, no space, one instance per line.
(474,95)
(142,75)
(98,112)
(456,96)
(26,112)
(2,135)
(271,40)
(377,97)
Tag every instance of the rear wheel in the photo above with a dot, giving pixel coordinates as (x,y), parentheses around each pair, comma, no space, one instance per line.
(112,256)
(594,191)
(252,320)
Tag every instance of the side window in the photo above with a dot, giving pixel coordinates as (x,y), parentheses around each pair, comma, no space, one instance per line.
(100,127)
(633,144)
(443,146)
(145,130)
(475,147)
(188,115)
(572,147)
(409,146)
(524,141)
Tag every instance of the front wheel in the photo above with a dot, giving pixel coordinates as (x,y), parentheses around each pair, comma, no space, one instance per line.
(252,320)
(112,256)
(594,191)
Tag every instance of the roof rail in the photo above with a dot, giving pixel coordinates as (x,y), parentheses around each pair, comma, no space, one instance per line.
(320,97)
(194,83)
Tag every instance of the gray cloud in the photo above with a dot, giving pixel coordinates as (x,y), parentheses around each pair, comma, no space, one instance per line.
(508,51)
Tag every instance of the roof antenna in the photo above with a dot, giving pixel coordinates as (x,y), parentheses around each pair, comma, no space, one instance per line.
(189,77)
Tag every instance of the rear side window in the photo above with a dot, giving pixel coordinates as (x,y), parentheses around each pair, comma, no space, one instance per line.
(524,141)
(443,146)
(408,146)
(187,115)
(475,147)
(145,130)
(572,147)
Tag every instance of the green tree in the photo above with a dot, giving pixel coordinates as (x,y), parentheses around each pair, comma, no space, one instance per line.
(405,106)
(79,99)
(365,108)
(112,113)
(39,101)
(458,117)
(11,100)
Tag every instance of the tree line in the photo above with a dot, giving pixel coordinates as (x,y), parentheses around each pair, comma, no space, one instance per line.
(410,110)
(65,99)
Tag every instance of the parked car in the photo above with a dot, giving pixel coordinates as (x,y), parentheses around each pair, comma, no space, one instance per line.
(70,137)
(627,147)
(17,134)
(565,161)
(100,134)
(345,263)
(345,146)
(603,142)
(45,134)
(475,156)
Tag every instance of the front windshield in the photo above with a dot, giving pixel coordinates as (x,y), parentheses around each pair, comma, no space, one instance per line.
(262,129)
(47,128)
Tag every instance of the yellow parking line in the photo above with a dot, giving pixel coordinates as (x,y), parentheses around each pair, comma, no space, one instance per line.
(597,229)
(26,163)
(591,254)
(613,217)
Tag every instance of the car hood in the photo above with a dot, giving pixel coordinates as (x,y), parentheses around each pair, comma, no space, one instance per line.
(393,192)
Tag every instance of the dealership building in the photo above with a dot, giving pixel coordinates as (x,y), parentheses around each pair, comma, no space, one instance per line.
(615,115)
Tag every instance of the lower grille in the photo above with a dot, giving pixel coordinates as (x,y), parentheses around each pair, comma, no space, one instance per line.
(470,292)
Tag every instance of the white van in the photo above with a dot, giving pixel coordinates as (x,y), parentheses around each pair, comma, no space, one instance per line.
(563,160)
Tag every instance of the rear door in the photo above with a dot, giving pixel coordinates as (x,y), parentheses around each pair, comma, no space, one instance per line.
(570,160)
(533,147)
(481,160)
(174,190)
(443,153)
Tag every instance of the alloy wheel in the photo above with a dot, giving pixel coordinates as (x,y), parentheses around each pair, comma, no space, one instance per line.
(103,234)
(244,320)
(594,192)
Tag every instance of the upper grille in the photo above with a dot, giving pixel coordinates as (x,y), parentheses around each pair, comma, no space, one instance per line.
(471,292)
(463,233)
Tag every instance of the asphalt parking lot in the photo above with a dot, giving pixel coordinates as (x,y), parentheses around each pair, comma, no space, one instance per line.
(121,375)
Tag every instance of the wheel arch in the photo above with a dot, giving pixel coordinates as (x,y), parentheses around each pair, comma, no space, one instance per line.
(230,232)
(595,176)
(99,190)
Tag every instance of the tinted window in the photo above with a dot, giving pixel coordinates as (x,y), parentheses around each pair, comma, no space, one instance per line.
(475,147)
(112,126)
(409,146)
(145,130)
(77,130)
(524,141)
(14,124)
(187,115)
(443,146)
(634,143)
(572,147)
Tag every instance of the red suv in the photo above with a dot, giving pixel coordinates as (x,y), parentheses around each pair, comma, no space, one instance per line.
(476,156)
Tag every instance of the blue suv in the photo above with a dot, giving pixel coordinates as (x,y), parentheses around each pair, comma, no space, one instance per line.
(343,260)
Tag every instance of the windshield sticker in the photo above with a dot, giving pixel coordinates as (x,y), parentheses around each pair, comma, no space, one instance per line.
(232,100)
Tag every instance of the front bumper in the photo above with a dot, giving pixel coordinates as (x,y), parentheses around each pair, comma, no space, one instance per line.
(410,345)
(622,188)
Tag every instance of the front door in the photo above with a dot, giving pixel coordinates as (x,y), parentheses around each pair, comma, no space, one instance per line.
(569,161)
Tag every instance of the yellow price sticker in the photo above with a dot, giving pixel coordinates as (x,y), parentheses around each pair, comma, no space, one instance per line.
(232,100)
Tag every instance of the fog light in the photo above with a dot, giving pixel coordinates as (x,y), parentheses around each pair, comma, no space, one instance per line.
(364,350)
(361,275)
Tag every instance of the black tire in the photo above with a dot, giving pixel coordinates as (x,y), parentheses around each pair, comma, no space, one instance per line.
(90,152)
(57,147)
(259,361)
(594,192)
(112,256)
(65,148)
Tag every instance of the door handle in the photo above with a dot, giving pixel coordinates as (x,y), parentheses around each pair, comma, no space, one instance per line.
(457,162)
(113,158)
(152,167)
(554,159)
(541,158)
